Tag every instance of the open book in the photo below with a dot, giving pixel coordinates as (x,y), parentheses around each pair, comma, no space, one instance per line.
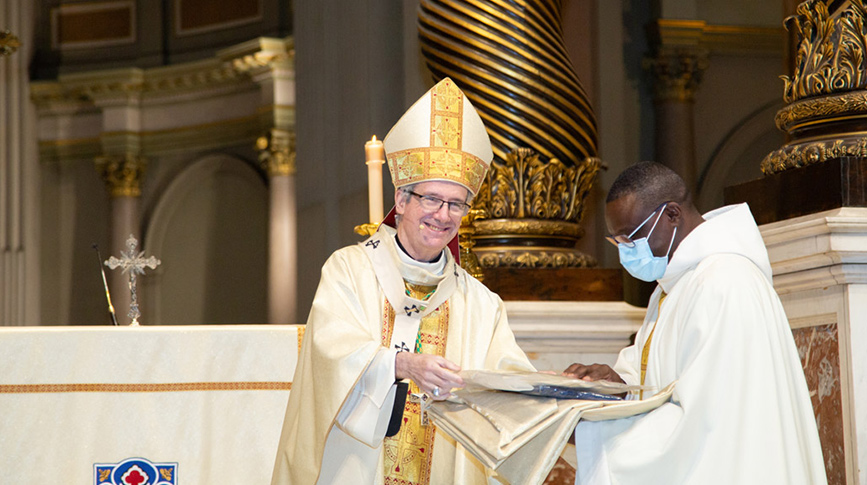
(520,435)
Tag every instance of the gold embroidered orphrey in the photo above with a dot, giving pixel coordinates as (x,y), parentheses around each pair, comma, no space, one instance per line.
(407,455)
(444,158)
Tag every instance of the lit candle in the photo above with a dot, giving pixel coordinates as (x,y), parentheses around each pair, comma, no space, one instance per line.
(375,158)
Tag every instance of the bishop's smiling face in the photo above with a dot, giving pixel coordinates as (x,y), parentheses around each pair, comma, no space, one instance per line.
(424,234)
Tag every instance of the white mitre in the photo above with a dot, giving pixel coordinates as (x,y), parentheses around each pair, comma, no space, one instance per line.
(440,137)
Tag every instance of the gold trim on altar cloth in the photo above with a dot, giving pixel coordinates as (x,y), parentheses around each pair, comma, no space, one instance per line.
(154,387)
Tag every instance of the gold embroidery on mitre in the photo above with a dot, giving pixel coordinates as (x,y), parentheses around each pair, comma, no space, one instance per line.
(446,115)
(407,456)
(422,164)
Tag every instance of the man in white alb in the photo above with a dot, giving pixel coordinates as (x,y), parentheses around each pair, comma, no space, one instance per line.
(740,412)
(398,307)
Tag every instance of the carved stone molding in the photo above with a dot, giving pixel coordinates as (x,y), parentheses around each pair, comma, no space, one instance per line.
(231,68)
(277,152)
(135,83)
(717,39)
(122,174)
(259,54)
(677,72)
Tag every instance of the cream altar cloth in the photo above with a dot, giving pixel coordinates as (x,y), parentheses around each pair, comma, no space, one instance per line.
(207,399)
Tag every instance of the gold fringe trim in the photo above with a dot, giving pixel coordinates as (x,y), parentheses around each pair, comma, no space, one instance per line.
(160,387)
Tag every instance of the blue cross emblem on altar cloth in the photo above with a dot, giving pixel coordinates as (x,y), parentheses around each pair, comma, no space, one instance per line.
(135,471)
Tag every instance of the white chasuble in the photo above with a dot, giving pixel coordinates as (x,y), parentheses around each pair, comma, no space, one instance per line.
(345,373)
(740,412)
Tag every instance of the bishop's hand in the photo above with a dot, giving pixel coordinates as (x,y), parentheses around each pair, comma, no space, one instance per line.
(594,372)
(433,374)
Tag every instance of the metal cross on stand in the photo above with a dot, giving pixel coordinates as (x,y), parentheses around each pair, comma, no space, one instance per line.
(132,263)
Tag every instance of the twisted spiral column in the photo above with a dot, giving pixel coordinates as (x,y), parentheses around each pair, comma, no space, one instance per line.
(510,60)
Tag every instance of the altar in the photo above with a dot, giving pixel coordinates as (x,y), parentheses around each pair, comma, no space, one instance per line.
(167,405)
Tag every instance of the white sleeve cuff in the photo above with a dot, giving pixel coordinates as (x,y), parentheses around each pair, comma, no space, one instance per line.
(367,410)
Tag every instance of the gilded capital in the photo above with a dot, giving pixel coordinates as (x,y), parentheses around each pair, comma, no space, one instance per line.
(525,187)
(122,174)
(831,48)
(277,152)
(8,43)
(529,212)
(676,72)
(826,94)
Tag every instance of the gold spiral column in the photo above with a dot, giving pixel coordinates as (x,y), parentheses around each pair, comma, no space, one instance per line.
(510,60)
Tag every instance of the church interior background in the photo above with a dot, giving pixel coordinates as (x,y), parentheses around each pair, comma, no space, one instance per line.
(172,90)
(228,137)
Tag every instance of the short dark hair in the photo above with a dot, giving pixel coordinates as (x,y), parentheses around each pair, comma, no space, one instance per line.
(652,183)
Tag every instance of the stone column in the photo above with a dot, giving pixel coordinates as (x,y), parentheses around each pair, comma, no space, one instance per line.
(676,64)
(277,155)
(19,177)
(270,64)
(123,176)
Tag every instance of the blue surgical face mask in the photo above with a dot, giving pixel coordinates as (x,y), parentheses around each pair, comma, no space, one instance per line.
(638,259)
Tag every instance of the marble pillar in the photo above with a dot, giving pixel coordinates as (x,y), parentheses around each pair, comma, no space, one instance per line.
(19,178)
(122,175)
(820,271)
(676,65)
(277,154)
(270,64)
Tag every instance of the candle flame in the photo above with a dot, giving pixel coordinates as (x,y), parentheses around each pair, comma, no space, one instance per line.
(374,138)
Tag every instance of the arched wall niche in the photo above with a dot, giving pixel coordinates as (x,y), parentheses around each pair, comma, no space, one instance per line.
(210,213)
(738,156)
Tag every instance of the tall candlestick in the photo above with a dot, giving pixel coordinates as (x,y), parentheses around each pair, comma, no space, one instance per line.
(375,154)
